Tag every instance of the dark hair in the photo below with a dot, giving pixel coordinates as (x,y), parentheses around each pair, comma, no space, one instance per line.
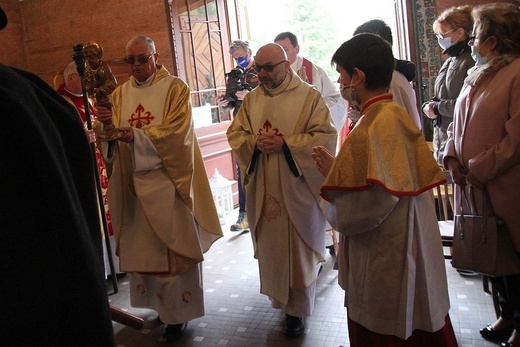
(287,35)
(378,27)
(370,54)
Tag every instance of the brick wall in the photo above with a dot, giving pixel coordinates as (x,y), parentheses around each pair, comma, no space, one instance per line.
(41,33)
(12,49)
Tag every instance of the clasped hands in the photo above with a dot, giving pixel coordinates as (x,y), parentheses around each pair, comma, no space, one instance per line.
(460,175)
(104,115)
(429,110)
(269,143)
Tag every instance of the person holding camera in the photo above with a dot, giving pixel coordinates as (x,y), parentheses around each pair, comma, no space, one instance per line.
(240,81)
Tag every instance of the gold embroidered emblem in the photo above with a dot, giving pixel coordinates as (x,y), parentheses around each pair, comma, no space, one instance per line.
(140,289)
(271,208)
(186,297)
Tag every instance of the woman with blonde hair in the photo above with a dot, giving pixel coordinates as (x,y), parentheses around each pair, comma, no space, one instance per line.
(451,28)
(483,148)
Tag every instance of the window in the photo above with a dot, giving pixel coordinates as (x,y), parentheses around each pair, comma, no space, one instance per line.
(198,41)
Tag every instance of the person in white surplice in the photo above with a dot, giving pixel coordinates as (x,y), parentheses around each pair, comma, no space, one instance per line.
(390,260)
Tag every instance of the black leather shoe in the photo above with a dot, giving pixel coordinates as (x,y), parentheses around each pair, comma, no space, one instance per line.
(174,332)
(491,334)
(467,272)
(294,326)
(506,344)
(118,276)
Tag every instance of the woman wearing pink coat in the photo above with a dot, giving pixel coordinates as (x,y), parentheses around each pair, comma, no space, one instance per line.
(483,148)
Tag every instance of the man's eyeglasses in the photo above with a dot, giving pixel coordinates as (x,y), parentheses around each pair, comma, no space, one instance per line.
(443,35)
(267,68)
(130,60)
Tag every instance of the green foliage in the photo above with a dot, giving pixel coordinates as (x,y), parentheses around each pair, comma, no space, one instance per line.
(320,25)
(312,25)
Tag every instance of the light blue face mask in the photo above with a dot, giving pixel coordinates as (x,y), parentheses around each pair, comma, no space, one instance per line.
(475,54)
(243,62)
(445,43)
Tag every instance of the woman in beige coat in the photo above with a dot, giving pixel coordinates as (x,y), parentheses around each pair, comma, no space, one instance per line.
(483,148)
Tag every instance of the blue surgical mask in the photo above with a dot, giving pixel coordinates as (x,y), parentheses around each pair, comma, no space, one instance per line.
(445,43)
(475,54)
(243,62)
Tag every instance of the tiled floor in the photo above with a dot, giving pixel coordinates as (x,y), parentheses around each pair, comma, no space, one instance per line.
(238,315)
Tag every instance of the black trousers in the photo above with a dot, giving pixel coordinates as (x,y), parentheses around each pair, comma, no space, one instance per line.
(508,288)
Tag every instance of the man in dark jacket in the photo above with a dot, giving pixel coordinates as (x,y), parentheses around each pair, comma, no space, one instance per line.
(239,81)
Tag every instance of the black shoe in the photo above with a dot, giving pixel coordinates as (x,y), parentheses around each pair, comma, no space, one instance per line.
(118,276)
(174,332)
(506,344)
(467,273)
(491,334)
(294,326)
(332,251)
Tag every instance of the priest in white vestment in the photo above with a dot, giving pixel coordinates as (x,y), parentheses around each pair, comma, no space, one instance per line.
(391,263)
(316,76)
(272,136)
(163,212)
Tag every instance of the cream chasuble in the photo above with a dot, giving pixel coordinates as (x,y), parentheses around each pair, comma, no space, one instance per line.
(157,191)
(287,224)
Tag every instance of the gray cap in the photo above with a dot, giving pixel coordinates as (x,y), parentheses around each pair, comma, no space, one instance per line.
(3,19)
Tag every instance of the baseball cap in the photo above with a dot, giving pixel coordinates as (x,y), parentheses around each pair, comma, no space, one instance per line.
(3,19)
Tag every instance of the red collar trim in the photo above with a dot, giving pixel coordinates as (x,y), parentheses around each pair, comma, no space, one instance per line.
(374,100)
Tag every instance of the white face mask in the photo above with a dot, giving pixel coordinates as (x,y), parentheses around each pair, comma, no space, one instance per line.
(349,94)
(445,43)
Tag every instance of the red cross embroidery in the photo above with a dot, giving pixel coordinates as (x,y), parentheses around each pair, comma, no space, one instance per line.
(267,126)
(140,118)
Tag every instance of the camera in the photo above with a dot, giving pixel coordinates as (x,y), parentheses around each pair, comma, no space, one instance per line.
(237,73)
(235,82)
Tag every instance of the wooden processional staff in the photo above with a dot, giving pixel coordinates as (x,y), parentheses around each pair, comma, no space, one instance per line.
(117,314)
